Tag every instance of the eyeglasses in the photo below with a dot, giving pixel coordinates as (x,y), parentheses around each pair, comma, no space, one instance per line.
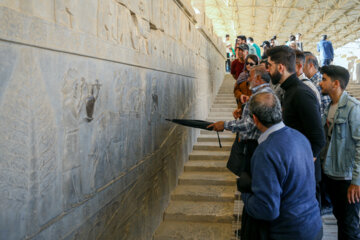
(251,64)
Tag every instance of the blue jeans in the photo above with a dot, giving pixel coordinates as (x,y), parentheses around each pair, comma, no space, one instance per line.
(347,215)
(325,62)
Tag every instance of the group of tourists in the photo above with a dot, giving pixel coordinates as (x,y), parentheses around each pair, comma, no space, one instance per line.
(324,47)
(297,148)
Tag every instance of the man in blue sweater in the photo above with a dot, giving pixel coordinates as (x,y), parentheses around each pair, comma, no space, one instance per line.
(326,51)
(283,184)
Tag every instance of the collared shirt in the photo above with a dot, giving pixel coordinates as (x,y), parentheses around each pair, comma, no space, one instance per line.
(325,99)
(270,130)
(245,125)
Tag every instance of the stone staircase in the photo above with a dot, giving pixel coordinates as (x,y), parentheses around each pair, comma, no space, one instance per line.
(202,205)
(354,90)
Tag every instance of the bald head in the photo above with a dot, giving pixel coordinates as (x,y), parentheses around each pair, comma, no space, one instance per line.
(266,107)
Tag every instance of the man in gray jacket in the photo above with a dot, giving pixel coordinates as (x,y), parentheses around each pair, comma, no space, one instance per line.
(341,156)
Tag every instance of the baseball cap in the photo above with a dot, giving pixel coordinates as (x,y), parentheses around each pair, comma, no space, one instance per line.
(244,47)
(265,43)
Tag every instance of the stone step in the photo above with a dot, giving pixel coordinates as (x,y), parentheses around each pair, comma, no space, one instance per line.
(232,106)
(225,98)
(354,93)
(227,90)
(224,101)
(214,138)
(225,95)
(197,211)
(221,114)
(204,193)
(349,88)
(227,110)
(209,155)
(176,230)
(207,178)
(206,166)
(213,146)
(225,132)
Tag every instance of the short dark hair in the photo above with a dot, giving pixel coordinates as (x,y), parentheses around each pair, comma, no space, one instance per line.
(227,35)
(313,60)
(300,56)
(266,107)
(307,53)
(283,55)
(337,73)
(242,37)
(250,39)
(324,37)
(292,38)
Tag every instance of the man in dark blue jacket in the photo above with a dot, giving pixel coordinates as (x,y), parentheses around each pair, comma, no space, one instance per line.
(283,185)
(326,51)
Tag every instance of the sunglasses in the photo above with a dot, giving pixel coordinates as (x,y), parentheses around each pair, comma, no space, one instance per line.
(251,64)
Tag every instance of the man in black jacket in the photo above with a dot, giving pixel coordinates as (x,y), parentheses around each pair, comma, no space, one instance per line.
(301,109)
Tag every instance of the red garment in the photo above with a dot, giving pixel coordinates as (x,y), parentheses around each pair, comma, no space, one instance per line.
(236,68)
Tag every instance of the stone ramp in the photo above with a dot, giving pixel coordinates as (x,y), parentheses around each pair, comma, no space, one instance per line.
(202,205)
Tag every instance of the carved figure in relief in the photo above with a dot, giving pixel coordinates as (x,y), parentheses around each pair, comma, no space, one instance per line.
(130,93)
(29,187)
(77,93)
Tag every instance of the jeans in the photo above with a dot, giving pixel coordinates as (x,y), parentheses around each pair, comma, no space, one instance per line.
(325,62)
(347,215)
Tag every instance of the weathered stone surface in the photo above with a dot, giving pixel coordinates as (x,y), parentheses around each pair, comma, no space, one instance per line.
(206,178)
(85,88)
(204,193)
(190,231)
(199,211)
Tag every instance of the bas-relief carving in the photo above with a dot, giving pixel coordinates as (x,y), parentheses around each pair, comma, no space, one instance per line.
(130,88)
(78,15)
(139,7)
(64,12)
(80,106)
(29,172)
(118,24)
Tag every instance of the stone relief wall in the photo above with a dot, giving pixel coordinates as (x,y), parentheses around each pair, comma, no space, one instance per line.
(85,152)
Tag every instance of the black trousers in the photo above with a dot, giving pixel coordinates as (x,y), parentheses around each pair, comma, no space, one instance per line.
(347,215)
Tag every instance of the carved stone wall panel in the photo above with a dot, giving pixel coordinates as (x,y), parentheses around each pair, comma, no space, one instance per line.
(140,7)
(29,171)
(108,20)
(102,122)
(6,67)
(79,15)
(157,13)
(38,8)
